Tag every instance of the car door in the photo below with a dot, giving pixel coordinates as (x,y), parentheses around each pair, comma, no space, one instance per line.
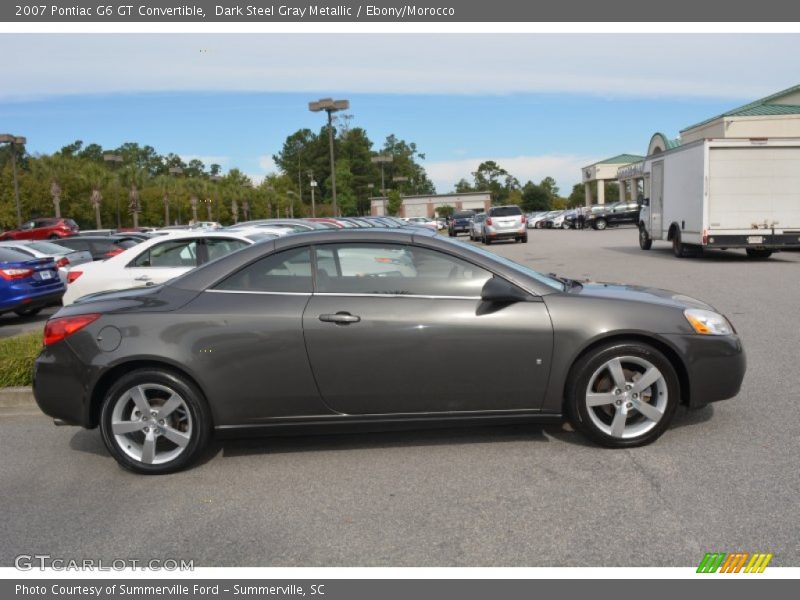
(249,328)
(161,262)
(395,328)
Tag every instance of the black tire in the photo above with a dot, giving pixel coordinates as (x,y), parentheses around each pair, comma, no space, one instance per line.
(28,312)
(600,224)
(679,249)
(195,403)
(758,252)
(645,241)
(487,240)
(587,365)
(566,225)
(451,233)
(54,237)
(525,239)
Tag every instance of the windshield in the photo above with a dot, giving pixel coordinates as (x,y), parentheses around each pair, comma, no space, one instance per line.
(540,277)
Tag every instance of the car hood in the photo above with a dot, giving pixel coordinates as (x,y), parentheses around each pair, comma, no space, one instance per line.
(651,295)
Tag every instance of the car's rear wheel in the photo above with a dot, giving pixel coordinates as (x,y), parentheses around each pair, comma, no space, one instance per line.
(54,237)
(487,240)
(525,239)
(28,312)
(645,241)
(154,421)
(679,249)
(623,394)
(600,224)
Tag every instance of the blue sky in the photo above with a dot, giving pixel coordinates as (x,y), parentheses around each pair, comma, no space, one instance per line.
(538,104)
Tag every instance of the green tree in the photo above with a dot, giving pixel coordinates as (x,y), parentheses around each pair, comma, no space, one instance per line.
(394,202)
(577,196)
(493,178)
(535,198)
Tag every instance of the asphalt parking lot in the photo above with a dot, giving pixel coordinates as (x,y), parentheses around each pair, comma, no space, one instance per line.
(11,324)
(724,478)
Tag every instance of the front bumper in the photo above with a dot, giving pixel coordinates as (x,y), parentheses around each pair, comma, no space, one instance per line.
(715,366)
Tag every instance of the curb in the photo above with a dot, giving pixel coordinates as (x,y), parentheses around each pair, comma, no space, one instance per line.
(15,397)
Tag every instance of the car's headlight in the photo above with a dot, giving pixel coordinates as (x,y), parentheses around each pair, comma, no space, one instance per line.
(707,322)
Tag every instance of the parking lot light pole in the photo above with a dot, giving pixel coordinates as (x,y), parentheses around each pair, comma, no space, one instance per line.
(313,186)
(214,179)
(330,106)
(114,160)
(12,141)
(177,171)
(382,159)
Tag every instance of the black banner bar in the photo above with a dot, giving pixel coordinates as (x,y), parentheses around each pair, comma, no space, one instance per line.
(445,11)
(732,587)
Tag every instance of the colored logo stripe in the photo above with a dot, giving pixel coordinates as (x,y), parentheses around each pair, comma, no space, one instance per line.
(734,563)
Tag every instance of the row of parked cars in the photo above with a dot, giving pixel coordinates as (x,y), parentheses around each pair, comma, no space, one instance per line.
(52,261)
(599,216)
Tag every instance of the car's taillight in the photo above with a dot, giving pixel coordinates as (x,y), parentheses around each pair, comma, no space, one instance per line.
(489,220)
(113,252)
(58,329)
(73,275)
(11,274)
(62,262)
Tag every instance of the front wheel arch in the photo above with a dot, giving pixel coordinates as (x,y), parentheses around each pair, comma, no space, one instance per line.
(108,379)
(668,351)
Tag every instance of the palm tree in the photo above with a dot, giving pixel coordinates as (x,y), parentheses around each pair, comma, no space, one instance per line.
(97,177)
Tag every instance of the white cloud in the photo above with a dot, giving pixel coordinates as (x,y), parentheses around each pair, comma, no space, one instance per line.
(267,164)
(564,168)
(668,65)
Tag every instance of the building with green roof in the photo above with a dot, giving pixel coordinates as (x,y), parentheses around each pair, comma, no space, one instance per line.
(775,116)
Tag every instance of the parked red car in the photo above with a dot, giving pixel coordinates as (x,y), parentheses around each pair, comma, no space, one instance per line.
(42,229)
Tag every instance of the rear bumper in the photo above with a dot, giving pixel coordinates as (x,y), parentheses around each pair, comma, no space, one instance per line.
(60,385)
(496,234)
(715,366)
(30,301)
(784,240)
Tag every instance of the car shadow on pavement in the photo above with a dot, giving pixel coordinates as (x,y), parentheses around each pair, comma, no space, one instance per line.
(89,441)
(708,256)
(489,434)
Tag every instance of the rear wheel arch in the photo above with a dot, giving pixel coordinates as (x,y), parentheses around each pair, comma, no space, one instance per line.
(110,377)
(673,229)
(626,338)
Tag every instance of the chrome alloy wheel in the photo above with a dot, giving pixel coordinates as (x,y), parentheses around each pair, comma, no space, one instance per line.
(626,397)
(151,423)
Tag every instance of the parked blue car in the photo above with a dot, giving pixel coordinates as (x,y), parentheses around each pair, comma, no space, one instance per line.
(27,285)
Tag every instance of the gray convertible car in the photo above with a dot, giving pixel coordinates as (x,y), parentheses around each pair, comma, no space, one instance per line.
(355,328)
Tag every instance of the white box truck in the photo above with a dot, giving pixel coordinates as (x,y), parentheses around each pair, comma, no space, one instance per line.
(723,193)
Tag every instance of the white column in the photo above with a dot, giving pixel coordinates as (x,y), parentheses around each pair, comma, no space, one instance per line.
(601,191)
(588,191)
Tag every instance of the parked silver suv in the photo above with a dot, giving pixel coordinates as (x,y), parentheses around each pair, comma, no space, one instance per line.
(505,222)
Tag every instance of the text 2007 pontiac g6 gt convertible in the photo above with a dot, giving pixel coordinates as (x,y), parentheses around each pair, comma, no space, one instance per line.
(356,327)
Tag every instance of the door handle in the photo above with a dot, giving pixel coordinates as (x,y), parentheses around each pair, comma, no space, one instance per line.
(142,278)
(340,318)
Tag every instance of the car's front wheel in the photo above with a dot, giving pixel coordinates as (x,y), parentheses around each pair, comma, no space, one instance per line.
(154,421)
(623,394)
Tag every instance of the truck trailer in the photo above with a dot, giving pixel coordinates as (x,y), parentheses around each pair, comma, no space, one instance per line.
(723,193)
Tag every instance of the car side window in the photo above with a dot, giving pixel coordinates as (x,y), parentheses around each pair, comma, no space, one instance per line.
(395,269)
(287,271)
(219,247)
(172,253)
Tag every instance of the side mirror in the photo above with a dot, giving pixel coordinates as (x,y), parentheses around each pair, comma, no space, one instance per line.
(498,289)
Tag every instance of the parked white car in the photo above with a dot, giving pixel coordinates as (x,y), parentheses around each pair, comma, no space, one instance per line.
(156,261)
(65,258)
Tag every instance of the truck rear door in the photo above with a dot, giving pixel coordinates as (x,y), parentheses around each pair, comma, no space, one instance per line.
(754,187)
